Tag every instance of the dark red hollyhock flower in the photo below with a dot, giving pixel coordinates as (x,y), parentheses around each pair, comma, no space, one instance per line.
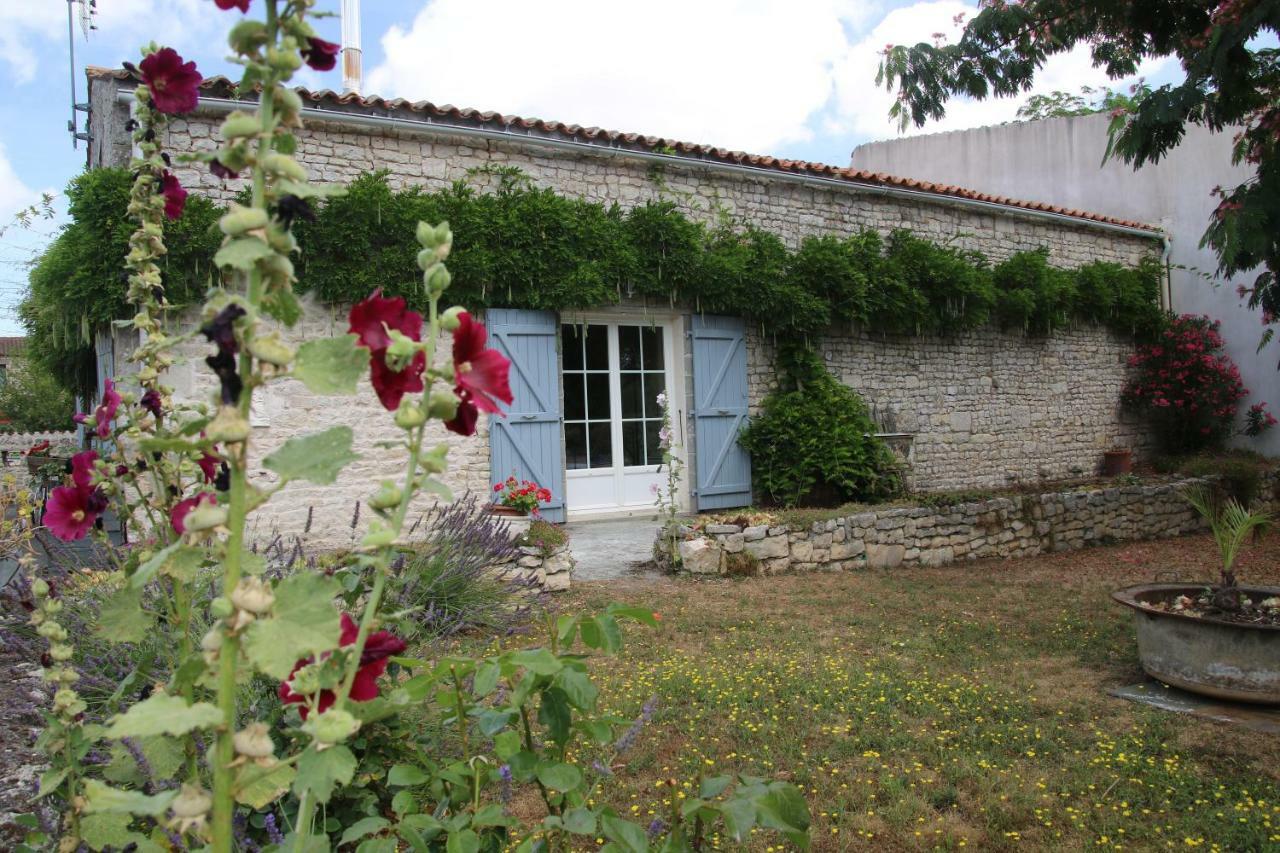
(106,411)
(178,515)
(480,371)
(175,197)
(174,84)
(82,469)
(320,54)
(221,172)
(370,320)
(72,511)
(464,422)
(209,466)
(227,5)
(392,385)
(378,646)
(151,401)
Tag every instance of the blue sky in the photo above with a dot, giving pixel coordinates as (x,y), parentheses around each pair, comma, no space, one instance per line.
(788,77)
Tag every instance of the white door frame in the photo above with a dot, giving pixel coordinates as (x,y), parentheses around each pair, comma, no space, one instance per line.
(672,324)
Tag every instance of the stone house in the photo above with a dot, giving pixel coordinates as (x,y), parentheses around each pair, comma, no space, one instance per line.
(976,410)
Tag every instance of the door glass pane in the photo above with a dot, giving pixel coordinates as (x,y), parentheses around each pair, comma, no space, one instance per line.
(600,438)
(653,430)
(575,401)
(651,340)
(629,348)
(571,346)
(633,443)
(575,446)
(632,395)
(598,396)
(654,384)
(597,347)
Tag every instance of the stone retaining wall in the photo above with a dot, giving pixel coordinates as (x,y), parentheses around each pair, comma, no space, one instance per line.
(551,570)
(1017,526)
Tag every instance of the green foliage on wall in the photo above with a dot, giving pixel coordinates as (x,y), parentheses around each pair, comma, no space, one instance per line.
(522,247)
(79,283)
(814,441)
(32,400)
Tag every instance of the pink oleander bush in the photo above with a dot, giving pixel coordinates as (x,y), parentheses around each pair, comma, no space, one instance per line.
(1189,389)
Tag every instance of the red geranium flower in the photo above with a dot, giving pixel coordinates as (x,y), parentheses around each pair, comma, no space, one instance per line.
(175,197)
(106,411)
(378,646)
(174,84)
(370,320)
(227,5)
(320,54)
(178,515)
(480,371)
(72,511)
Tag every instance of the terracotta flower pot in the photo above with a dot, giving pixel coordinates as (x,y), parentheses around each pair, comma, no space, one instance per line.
(507,511)
(1117,462)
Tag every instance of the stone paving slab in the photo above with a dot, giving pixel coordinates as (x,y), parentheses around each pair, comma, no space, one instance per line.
(611,549)
(1260,718)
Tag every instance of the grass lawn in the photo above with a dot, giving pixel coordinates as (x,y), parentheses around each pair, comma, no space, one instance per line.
(925,709)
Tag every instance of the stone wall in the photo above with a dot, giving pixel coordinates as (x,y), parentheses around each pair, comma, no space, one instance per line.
(1018,526)
(986,409)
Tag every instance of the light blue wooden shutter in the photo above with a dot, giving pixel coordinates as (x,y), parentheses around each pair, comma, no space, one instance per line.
(527,441)
(723,468)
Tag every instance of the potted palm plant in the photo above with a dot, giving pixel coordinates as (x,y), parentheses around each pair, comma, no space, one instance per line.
(1222,639)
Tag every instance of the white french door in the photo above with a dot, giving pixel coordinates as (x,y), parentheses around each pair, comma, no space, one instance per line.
(612,375)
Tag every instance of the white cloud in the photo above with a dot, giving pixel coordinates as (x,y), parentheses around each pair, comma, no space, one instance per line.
(747,74)
(19,24)
(862,108)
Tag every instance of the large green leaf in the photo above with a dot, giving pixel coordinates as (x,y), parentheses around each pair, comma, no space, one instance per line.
(162,714)
(100,831)
(320,772)
(407,774)
(577,685)
(304,622)
(361,828)
(317,457)
(101,798)
(242,253)
(122,619)
(625,834)
(560,777)
(331,365)
(257,786)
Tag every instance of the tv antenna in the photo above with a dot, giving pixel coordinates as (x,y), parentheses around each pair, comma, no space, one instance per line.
(85,10)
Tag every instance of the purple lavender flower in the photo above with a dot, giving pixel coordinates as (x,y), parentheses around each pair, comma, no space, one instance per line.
(273,831)
(628,738)
(656,828)
(504,773)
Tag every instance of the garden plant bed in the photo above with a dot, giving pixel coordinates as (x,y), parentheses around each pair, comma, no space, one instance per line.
(941,532)
(936,709)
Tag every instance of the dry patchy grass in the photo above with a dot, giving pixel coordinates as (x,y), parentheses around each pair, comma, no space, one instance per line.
(925,709)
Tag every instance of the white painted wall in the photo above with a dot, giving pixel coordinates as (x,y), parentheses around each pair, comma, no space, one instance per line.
(1059,161)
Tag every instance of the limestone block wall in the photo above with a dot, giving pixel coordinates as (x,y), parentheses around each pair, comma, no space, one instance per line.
(986,409)
(1017,526)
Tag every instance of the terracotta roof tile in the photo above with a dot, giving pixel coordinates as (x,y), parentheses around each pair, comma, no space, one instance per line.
(467,117)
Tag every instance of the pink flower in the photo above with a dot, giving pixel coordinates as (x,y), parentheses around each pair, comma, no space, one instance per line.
(370,320)
(174,84)
(82,465)
(106,411)
(209,466)
(227,5)
(178,515)
(175,197)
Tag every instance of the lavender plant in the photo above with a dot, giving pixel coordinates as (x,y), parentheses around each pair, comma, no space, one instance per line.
(195,751)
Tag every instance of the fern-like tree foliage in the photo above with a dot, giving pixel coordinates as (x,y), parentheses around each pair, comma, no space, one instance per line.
(1232,83)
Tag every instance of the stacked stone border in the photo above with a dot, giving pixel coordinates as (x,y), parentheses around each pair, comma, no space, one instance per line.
(1005,527)
(547,569)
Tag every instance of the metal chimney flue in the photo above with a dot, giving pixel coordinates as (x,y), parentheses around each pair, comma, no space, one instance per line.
(352,72)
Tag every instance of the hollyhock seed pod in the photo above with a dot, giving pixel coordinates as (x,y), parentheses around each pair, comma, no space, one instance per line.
(190,808)
(442,405)
(248,36)
(438,279)
(284,166)
(240,125)
(229,426)
(211,642)
(388,495)
(409,416)
(221,607)
(241,220)
(331,727)
(206,516)
(452,318)
(254,741)
(251,594)
(283,60)
(271,350)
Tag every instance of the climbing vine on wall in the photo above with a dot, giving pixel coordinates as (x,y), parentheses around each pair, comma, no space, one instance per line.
(524,247)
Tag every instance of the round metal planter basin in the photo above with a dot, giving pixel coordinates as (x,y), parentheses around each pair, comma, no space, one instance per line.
(1208,656)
